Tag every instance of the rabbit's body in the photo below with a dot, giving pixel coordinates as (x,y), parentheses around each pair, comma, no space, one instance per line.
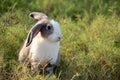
(42,44)
(43,50)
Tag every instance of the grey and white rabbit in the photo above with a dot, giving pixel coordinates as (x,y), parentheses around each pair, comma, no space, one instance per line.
(42,43)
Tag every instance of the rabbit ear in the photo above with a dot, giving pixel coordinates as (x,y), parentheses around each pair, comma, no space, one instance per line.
(38,15)
(32,33)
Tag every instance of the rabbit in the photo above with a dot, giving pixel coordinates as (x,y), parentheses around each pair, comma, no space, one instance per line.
(42,44)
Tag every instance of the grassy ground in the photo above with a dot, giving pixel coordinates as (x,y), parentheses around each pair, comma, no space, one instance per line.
(90,47)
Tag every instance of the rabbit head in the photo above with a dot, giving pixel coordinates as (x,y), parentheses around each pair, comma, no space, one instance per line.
(49,29)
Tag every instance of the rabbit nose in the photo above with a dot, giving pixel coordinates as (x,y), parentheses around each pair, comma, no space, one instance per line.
(59,38)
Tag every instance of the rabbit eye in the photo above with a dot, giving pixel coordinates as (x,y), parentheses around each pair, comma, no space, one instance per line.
(48,27)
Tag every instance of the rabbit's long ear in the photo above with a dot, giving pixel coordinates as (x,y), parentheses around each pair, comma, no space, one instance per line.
(33,32)
(38,15)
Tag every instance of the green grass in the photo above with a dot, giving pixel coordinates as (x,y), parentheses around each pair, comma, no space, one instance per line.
(90,46)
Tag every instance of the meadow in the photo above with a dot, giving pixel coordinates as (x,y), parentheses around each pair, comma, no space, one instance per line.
(90,45)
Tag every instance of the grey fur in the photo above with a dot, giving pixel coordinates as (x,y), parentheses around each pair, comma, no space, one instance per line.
(33,32)
(24,52)
(38,15)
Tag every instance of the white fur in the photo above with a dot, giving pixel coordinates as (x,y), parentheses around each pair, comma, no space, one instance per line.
(45,49)
(56,32)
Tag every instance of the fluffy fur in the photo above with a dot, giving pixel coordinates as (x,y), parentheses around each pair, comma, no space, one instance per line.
(42,49)
(45,49)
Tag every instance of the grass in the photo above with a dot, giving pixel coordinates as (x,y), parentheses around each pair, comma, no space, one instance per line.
(90,47)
